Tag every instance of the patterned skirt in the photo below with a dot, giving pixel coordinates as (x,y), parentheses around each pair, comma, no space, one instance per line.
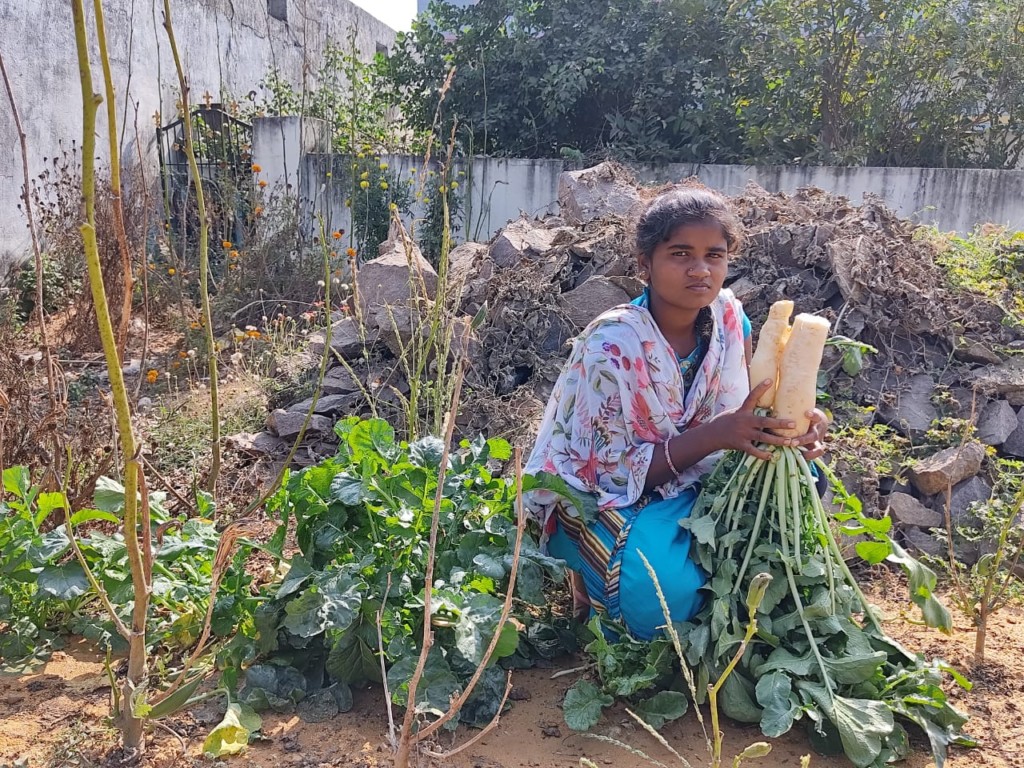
(607,555)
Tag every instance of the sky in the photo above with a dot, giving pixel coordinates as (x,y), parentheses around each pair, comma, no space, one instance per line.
(397,14)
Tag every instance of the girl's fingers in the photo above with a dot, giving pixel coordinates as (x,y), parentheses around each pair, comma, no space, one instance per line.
(766,423)
(756,452)
(773,439)
(755,394)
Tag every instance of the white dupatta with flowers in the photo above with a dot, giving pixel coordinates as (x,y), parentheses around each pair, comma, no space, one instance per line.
(621,394)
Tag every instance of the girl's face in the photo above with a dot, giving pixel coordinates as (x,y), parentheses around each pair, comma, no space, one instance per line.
(688,269)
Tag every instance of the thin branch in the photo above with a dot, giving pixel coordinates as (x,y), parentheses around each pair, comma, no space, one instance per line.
(483,731)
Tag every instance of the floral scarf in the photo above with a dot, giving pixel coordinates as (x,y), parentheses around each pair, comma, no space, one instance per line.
(621,394)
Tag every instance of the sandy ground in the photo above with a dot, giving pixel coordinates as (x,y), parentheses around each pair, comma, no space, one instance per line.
(55,717)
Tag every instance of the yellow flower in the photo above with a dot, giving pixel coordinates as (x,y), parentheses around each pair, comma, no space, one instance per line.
(151,376)
(360,155)
(263,183)
(455,185)
(171,271)
(351,253)
(226,244)
(412,171)
(232,266)
(256,168)
(348,203)
(364,184)
(383,166)
(364,175)
(384,185)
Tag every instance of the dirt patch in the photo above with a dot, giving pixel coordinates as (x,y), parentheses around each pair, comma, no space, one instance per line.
(55,716)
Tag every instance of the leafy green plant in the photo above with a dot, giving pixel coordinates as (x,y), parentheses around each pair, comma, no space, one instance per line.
(349,608)
(982,589)
(377,193)
(986,262)
(441,191)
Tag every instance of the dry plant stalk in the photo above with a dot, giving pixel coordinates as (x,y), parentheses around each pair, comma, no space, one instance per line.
(130,725)
(204,254)
(115,180)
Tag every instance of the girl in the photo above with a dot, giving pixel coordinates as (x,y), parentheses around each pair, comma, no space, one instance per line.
(652,392)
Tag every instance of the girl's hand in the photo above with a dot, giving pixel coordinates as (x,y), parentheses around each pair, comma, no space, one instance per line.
(813,443)
(742,429)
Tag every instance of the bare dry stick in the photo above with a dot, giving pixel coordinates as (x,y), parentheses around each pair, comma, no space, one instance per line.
(204,254)
(456,705)
(115,181)
(392,733)
(37,255)
(131,727)
(145,262)
(406,741)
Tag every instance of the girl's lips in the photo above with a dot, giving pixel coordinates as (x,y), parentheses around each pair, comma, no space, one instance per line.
(699,287)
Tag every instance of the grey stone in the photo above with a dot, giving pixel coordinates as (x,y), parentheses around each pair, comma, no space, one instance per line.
(597,295)
(464,262)
(594,193)
(1006,380)
(339,381)
(327,404)
(913,411)
(922,541)
(947,467)
(286,424)
(345,339)
(399,278)
(259,443)
(1014,443)
(145,404)
(996,423)
(522,239)
(908,511)
(631,285)
(960,500)
(976,352)
(134,368)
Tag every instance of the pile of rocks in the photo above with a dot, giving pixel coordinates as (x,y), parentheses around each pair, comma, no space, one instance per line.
(540,281)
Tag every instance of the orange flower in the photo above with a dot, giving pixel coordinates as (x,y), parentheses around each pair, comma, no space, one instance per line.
(151,376)
(256,168)
(263,183)
(259,210)
(233,254)
(194,326)
(175,365)
(337,234)
(351,253)
(226,244)
(253,334)
(182,353)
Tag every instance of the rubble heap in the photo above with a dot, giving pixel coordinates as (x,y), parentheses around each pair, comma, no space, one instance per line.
(940,352)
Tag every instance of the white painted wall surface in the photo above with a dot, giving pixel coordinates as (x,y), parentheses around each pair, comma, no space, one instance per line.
(227,46)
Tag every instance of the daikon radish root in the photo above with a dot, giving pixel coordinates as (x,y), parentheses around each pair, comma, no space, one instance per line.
(764,364)
(798,373)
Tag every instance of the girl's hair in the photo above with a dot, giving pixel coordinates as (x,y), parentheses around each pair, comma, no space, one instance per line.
(677,207)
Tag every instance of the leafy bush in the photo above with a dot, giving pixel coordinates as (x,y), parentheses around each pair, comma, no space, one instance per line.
(351,601)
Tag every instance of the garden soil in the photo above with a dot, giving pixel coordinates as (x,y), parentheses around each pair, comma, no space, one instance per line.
(54,717)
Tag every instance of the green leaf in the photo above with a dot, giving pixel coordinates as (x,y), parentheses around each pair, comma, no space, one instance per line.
(373,436)
(736,699)
(774,692)
(427,452)
(232,735)
(64,582)
(352,661)
(863,724)
(703,528)
(178,700)
(583,705)
(584,503)
(348,488)
(499,449)
(476,626)
(46,503)
(663,707)
(873,552)
(109,495)
(922,581)
(298,573)
(850,670)
(436,687)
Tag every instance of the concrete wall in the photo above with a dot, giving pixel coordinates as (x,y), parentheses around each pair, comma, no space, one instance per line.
(227,47)
(503,188)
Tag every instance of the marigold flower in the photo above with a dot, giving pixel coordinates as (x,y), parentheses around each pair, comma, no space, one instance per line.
(348,203)
(383,166)
(171,271)
(351,253)
(263,183)
(364,175)
(253,334)
(384,185)
(175,365)
(182,353)
(455,185)
(337,234)
(226,244)
(360,155)
(364,184)
(259,210)
(194,326)
(152,375)
(233,254)
(256,168)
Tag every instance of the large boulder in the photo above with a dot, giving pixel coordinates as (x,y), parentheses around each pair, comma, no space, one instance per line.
(907,511)
(947,468)
(346,340)
(967,493)
(521,239)
(287,424)
(911,409)
(596,295)
(924,542)
(401,277)
(597,193)
(1005,380)
(997,422)
(339,381)
(1014,443)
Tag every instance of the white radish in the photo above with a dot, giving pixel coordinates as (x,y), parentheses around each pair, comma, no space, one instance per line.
(764,364)
(798,373)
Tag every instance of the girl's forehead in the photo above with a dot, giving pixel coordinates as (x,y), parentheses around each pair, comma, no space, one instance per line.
(702,230)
